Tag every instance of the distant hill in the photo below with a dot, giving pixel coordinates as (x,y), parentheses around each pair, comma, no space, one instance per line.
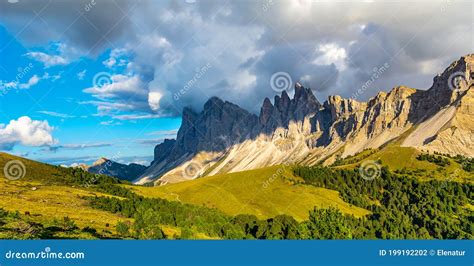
(121,171)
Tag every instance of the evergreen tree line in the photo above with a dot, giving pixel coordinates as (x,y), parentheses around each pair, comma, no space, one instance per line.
(436,159)
(402,207)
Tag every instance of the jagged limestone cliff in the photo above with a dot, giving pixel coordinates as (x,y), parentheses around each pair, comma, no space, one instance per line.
(226,138)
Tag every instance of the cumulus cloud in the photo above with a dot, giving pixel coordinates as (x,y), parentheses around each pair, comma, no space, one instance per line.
(121,93)
(27,132)
(117,57)
(167,44)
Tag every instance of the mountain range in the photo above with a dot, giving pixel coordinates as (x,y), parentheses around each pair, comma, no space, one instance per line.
(224,138)
(108,167)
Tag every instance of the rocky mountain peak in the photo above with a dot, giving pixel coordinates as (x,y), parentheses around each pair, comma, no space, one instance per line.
(100,161)
(300,128)
(266,110)
(458,76)
(105,166)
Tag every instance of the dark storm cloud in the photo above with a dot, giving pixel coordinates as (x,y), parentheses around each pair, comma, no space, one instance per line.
(90,25)
(332,47)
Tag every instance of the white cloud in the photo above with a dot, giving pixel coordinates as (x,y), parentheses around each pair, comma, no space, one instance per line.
(331,53)
(80,146)
(26,132)
(32,81)
(48,60)
(136,116)
(120,85)
(247,41)
(15,85)
(171,132)
(116,58)
(56,114)
(154,100)
(110,123)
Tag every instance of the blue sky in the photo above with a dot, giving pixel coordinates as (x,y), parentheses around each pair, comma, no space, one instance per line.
(82,79)
(79,133)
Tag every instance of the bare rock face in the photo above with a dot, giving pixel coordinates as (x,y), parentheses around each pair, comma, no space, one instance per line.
(225,138)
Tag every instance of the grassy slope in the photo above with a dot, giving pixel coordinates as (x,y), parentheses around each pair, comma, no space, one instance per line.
(265,192)
(396,158)
(50,199)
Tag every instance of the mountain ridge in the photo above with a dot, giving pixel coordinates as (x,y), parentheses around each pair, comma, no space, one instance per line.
(108,167)
(226,138)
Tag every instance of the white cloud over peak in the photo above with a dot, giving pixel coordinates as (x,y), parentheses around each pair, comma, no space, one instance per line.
(27,132)
(245,42)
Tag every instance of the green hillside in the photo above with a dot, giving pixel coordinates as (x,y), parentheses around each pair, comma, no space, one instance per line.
(265,192)
(279,202)
(405,160)
(46,194)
